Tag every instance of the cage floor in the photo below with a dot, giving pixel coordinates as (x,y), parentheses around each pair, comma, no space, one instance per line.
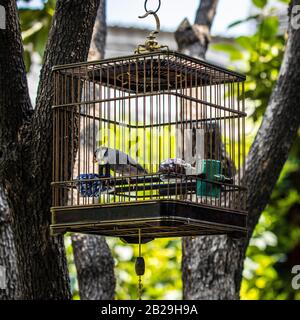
(155,219)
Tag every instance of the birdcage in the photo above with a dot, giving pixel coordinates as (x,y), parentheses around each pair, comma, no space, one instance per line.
(153,142)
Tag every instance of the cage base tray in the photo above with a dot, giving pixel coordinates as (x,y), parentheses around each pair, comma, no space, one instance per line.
(155,219)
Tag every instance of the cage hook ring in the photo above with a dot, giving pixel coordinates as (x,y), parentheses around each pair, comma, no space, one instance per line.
(146,8)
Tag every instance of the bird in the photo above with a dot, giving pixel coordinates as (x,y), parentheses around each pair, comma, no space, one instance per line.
(119,161)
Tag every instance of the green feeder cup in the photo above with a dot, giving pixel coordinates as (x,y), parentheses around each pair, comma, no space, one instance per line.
(212,170)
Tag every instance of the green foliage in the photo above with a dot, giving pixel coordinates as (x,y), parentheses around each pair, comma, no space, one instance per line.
(35,26)
(260,3)
(72,268)
(261,54)
(233,51)
(162,279)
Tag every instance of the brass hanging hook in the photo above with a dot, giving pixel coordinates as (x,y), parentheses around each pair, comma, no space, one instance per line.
(156,20)
(151,43)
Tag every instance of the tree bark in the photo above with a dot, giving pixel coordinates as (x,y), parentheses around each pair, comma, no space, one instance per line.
(26,138)
(7,253)
(95,267)
(194,39)
(93,260)
(212,266)
(98,42)
(13,112)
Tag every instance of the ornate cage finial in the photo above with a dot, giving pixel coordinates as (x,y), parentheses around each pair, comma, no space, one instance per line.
(151,44)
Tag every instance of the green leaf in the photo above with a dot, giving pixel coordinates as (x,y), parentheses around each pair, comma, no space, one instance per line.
(245,42)
(35,25)
(269,27)
(260,3)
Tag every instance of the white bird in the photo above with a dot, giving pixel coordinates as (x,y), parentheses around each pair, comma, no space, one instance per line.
(119,161)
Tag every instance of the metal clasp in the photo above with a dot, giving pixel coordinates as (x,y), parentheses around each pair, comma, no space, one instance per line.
(151,44)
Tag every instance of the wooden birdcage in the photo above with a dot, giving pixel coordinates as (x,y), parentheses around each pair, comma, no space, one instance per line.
(153,142)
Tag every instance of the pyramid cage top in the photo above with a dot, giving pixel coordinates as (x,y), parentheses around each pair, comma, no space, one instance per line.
(152,141)
(151,72)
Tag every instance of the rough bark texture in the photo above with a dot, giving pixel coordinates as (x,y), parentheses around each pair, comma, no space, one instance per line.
(7,253)
(26,148)
(15,109)
(194,39)
(212,266)
(93,260)
(95,267)
(10,40)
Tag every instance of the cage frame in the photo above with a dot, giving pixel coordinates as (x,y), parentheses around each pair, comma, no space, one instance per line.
(161,217)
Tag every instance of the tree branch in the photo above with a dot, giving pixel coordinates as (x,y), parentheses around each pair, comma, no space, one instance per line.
(15,111)
(69,42)
(277,132)
(194,39)
(97,47)
(15,105)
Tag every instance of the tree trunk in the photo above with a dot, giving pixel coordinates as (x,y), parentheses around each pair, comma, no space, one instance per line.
(26,138)
(7,253)
(278,130)
(212,266)
(95,267)
(98,42)
(93,260)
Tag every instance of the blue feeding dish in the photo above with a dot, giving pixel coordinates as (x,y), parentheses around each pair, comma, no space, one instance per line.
(89,188)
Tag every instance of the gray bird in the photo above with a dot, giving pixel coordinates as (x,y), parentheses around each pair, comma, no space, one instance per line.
(119,161)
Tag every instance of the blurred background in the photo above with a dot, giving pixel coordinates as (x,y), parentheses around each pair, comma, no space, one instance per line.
(248,36)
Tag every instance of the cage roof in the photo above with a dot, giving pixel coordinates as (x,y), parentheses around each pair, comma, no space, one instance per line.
(151,72)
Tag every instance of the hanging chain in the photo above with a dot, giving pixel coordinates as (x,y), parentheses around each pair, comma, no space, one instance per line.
(140,267)
(140,284)
(140,288)
(146,8)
